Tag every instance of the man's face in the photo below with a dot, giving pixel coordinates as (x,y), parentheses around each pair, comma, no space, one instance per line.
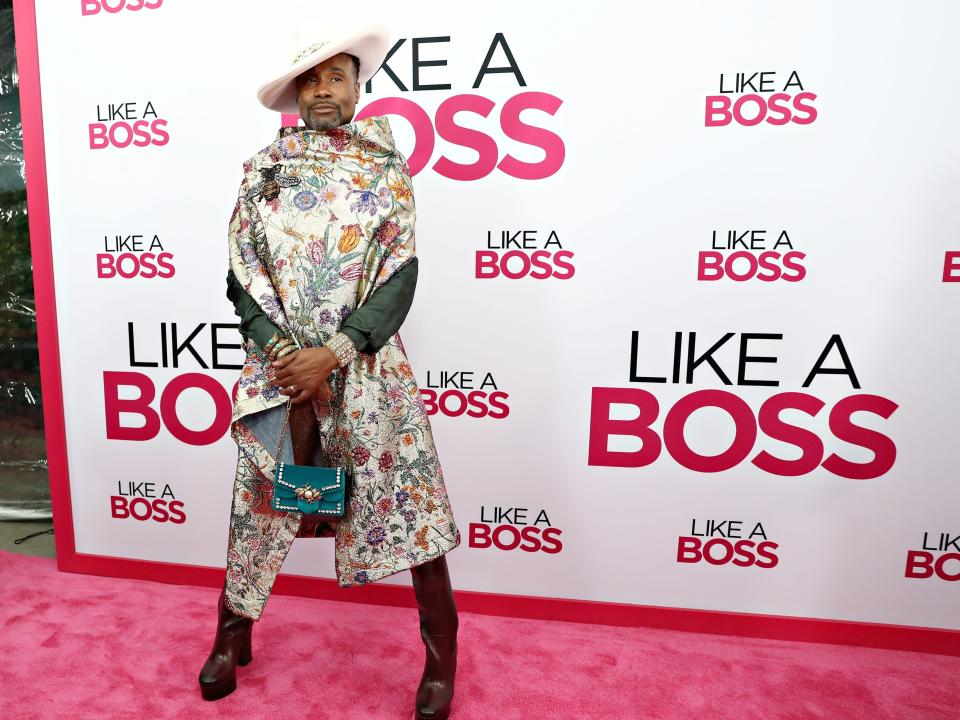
(328,93)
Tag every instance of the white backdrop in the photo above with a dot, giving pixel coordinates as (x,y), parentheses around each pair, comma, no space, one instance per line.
(866,191)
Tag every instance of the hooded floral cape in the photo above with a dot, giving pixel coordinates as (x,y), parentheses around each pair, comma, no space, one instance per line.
(322,219)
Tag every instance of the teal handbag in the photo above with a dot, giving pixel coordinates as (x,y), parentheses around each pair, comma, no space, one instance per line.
(318,493)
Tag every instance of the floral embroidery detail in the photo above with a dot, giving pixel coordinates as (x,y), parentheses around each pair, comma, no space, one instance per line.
(305,200)
(377,535)
(421,538)
(370,202)
(349,238)
(360,455)
(387,233)
(400,191)
(385,462)
(291,146)
(271,305)
(339,139)
(316,251)
(352,272)
(249,253)
(327,195)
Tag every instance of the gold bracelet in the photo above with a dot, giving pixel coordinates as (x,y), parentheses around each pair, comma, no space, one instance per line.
(273,349)
(285,350)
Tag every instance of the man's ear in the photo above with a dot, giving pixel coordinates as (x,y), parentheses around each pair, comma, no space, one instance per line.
(356,92)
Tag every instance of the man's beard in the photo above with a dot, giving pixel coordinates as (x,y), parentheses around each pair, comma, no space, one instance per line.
(324,122)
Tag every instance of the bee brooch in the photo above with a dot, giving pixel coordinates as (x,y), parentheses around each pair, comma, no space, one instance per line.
(268,189)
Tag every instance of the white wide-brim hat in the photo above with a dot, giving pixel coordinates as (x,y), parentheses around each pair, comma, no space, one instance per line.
(314,43)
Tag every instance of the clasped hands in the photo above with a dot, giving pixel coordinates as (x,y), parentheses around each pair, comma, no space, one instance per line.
(301,374)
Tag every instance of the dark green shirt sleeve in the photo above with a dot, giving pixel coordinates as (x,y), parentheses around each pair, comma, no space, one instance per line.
(254,323)
(380,317)
(369,326)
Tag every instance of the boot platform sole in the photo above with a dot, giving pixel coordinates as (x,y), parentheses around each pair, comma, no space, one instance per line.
(442,715)
(215,691)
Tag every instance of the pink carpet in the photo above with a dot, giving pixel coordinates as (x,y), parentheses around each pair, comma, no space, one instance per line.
(79,646)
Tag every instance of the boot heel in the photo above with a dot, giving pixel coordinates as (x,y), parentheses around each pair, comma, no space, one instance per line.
(246,652)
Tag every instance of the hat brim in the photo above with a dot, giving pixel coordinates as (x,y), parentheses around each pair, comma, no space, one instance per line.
(370,45)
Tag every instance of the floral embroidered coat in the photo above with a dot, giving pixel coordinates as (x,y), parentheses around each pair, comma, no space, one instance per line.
(323,219)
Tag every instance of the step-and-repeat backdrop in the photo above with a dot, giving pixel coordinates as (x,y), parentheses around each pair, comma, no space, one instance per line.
(686,323)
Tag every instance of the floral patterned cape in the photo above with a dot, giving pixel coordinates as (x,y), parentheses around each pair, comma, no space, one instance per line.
(322,219)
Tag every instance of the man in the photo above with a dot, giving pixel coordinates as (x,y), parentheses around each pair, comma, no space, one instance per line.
(322,271)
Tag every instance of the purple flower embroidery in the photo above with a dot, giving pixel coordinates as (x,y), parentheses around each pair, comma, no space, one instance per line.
(305,200)
(327,195)
(249,254)
(369,201)
(394,393)
(402,497)
(409,515)
(291,146)
(361,577)
(376,535)
(270,304)
(325,316)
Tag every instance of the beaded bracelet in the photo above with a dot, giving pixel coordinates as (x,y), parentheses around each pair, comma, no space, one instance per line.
(342,347)
(278,346)
(274,339)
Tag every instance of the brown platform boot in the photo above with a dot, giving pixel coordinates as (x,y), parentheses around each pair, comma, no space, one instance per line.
(231,647)
(438,628)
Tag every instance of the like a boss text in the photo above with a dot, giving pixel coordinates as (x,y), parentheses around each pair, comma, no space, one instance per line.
(747,422)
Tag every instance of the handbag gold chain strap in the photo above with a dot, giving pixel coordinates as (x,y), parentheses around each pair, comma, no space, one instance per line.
(283,431)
